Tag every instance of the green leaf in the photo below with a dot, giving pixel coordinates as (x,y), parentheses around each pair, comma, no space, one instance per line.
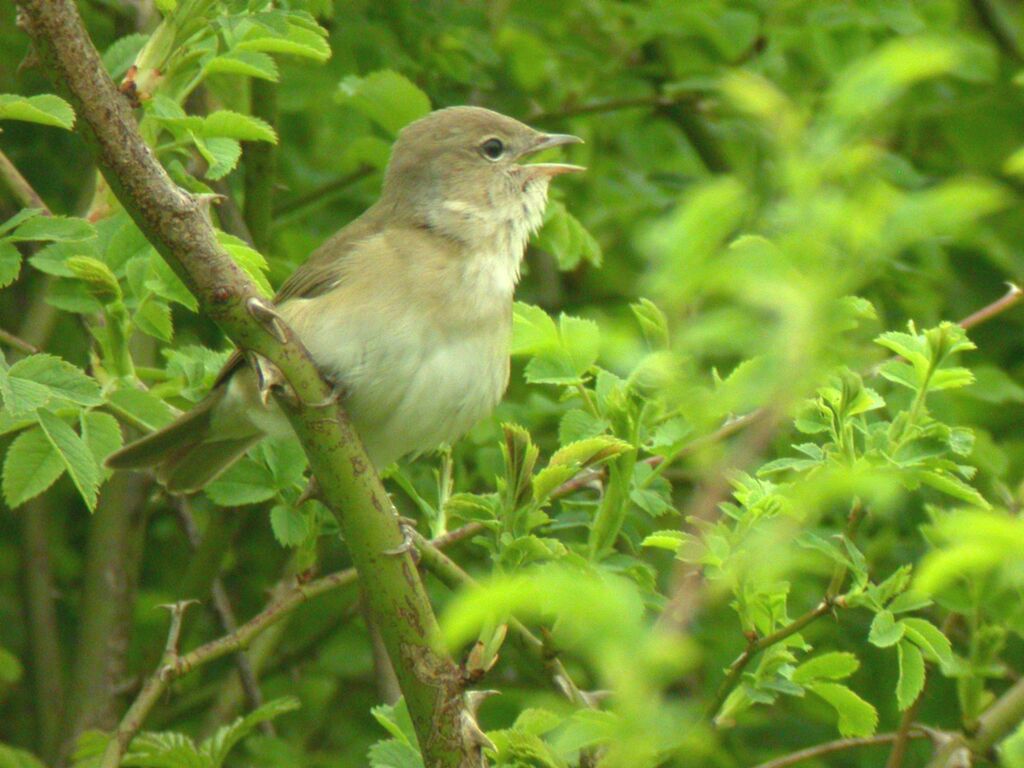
(952,486)
(387,98)
(153,317)
(63,229)
(299,41)
(97,276)
(216,748)
(102,434)
(246,482)
(652,322)
(23,215)
(885,632)
(10,672)
(142,406)
(12,757)
(911,680)
(857,718)
(289,525)
(248,63)
(1011,751)
(222,155)
(45,109)
(30,467)
(235,125)
(10,263)
(61,379)
(120,54)
(581,340)
(828,666)
(533,330)
(77,458)
(929,639)
(670,540)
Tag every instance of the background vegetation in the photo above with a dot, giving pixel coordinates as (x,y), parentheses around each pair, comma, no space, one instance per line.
(753,489)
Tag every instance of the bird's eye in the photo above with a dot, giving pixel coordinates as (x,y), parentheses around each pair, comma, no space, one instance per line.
(492,149)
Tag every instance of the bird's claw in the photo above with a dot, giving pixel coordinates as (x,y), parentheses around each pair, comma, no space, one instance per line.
(269,377)
(408,546)
(264,311)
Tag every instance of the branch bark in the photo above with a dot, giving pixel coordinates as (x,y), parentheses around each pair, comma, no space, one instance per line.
(175,223)
(839,745)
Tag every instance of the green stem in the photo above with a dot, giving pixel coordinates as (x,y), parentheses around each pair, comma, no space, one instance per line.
(259,159)
(174,222)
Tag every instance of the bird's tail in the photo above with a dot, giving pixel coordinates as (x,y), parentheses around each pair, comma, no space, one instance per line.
(187,453)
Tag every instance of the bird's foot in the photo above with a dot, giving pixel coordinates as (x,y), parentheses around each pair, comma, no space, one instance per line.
(269,378)
(408,546)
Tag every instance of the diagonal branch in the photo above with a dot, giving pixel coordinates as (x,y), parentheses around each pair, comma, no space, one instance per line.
(175,223)
(236,641)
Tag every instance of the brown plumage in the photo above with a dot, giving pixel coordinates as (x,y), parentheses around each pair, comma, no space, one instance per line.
(407,309)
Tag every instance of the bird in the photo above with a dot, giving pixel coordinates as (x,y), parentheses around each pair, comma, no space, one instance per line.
(406,311)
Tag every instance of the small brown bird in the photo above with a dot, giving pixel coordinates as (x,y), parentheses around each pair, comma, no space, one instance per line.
(407,310)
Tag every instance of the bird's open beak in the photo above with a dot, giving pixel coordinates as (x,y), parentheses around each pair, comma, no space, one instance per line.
(547,141)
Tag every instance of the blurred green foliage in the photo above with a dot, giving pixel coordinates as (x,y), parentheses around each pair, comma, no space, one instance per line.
(751,484)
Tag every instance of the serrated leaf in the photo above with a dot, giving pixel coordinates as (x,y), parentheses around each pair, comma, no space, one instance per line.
(235,125)
(578,424)
(30,467)
(222,155)
(61,379)
(45,109)
(952,486)
(929,639)
(911,680)
(77,458)
(247,63)
(289,525)
(23,215)
(856,718)
(828,666)
(581,340)
(120,54)
(299,41)
(10,263)
(885,631)
(216,748)
(102,434)
(246,482)
(670,540)
(533,330)
(153,318)
(386,97)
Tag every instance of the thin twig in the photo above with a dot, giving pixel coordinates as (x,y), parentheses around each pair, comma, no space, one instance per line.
(221,604)
(319,195)
(8,338)
(1012,297)
(1002,28)
(23,192)
(277,609)
(654,101)
(839,745)
(755,645)
(454,577)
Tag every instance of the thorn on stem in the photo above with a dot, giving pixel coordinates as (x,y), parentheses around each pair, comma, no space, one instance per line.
(264,311)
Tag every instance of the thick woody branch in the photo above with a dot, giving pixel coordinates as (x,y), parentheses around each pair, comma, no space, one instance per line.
(175,223)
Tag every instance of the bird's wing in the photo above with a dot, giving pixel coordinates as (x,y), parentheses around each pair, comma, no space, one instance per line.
(318,275)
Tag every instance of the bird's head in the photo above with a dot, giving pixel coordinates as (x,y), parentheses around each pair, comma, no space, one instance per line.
(464,171)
